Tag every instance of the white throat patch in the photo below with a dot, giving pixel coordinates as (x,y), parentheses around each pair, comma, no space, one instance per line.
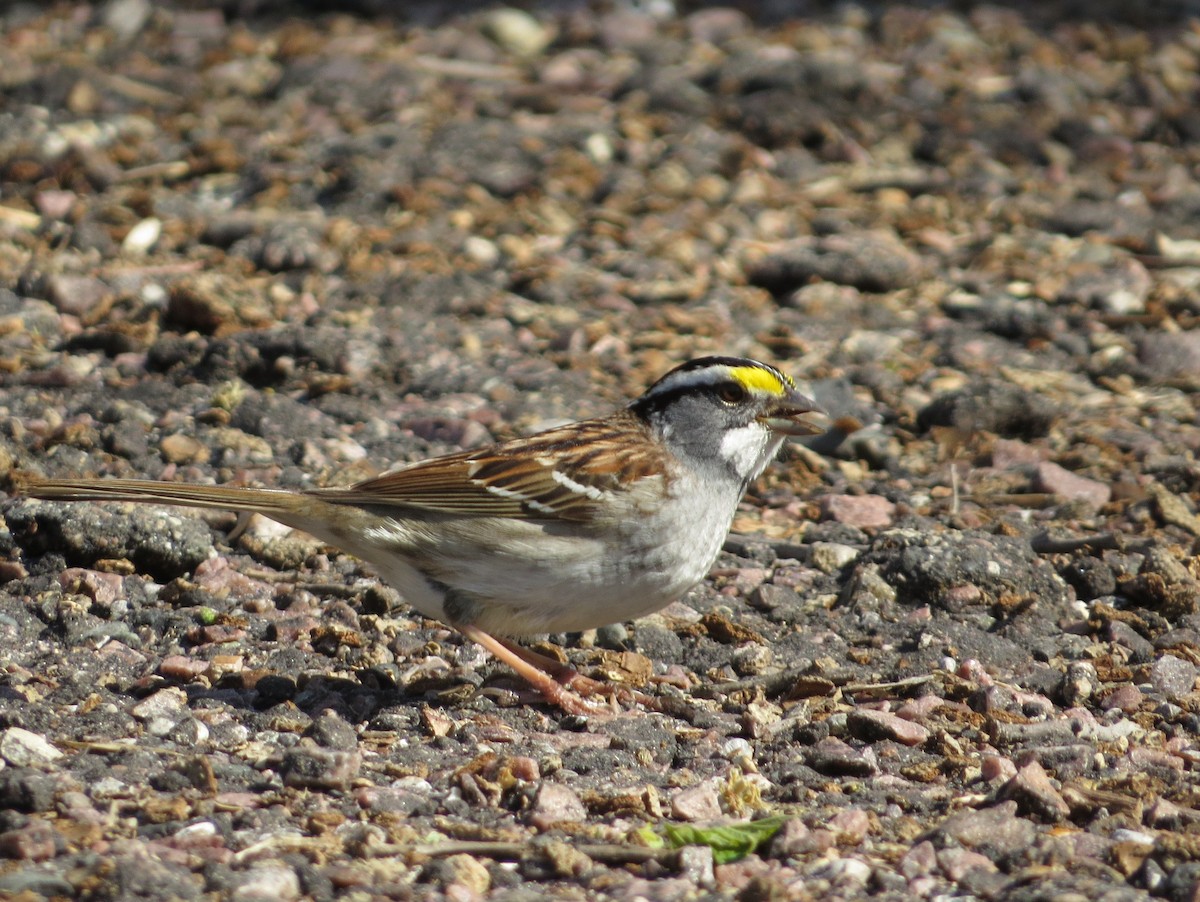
(749,449)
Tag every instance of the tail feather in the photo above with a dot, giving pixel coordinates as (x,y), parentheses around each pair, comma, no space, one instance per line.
(271,502)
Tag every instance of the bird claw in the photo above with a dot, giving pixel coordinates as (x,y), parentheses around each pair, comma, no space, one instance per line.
(559,684)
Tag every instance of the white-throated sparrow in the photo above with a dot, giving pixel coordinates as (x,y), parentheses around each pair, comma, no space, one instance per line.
(580,526)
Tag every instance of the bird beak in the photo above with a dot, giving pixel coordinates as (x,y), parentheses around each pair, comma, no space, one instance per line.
(794,414)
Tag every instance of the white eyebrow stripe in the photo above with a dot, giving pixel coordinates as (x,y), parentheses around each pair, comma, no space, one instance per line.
(675,381)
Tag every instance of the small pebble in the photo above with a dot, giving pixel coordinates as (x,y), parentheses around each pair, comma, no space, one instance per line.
(997,767)
(142,237)
(834,757)
(868,724)
(1051,478)
(958,863)
(752,659)
(1173,677)
(33,842)
(518,32)
(1032,790)
(267,884)
(995,830)
(167,703)
(830,557)
(1140,759)
(795,838)
(699,803)
(77,295)
(919,709)
(845,870)
(314,768)
(871,261)
(862,511)
(556,804)
(696,865)
(55,203)
(469,872)
(851,825)
(183,449)
(102,588)
(919,860)
(1079,682)
(1127,698)
(126,17)
(24,748)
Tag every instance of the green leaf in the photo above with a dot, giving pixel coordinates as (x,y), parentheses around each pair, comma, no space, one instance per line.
(649,838)
(729,842)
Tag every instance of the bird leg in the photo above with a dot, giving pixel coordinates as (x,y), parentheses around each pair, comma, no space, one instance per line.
(553,679)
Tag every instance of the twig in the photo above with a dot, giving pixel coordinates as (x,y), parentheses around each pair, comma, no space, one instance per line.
(905,683)
(1044,543)
(607,853)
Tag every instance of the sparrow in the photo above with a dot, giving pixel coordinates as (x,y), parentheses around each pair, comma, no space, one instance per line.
(596,522)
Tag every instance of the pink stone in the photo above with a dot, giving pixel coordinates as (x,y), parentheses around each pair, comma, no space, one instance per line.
(1127,698)
(957,863)
(1050,477)
(700,803)
(918,709)
(851,825)
(919,860)
(863,511)
(33,842)
(556,804)
(1032,790)
(1140,759)
(1008,453)
(102,588)
(883,724)
(997,767)
(975,672)
(181,667)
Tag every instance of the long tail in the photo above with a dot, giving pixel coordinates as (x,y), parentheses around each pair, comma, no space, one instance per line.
(271,502)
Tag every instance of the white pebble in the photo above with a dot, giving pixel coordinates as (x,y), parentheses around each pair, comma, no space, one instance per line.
(830,557)
(269,884)
(22,748)
(142,237)
(518,32)
(481,250)
(599,148)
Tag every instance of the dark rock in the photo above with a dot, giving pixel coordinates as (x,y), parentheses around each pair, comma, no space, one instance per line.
(1089,577)
(997,832)
(163,543)
(25,789)
(871,262)
(1141,649)
(991,406)
(832,756)
(332,732)
(312,768)
(958,570)
(1173,677)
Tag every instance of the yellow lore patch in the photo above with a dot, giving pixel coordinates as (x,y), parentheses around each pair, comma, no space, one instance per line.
(758,379)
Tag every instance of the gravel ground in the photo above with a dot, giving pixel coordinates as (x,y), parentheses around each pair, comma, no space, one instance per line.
(951,649)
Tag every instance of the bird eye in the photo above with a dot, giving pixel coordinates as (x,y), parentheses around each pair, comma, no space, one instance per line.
(731,393)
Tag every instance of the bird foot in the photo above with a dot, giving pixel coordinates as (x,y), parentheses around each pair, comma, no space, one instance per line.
(559,684)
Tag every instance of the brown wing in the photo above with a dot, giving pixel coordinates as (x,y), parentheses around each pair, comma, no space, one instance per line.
(560,474)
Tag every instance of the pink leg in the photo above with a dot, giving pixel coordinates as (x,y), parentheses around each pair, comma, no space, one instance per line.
(553,679)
